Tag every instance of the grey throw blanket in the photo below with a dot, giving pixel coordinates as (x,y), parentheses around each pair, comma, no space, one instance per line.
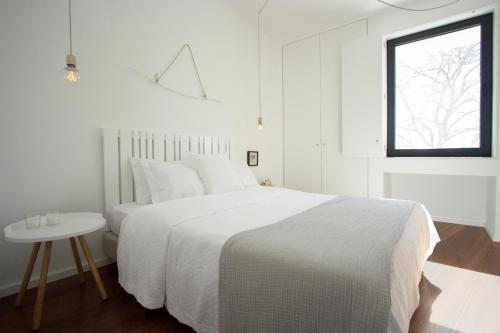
(327,269)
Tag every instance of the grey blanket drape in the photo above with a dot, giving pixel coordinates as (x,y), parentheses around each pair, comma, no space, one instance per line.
(327,269)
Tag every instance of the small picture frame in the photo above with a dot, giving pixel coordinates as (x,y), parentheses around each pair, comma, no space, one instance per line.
(252,158)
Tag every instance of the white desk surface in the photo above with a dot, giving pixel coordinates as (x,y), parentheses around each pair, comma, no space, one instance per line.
(71,225)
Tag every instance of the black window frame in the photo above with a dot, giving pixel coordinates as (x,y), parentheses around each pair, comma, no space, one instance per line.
(486,103)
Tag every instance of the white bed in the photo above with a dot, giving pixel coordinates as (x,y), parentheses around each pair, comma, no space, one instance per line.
(168,253)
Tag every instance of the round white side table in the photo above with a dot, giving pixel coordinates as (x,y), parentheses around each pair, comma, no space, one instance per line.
(71,226)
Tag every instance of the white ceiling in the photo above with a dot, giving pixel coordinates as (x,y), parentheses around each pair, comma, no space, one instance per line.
(290,20)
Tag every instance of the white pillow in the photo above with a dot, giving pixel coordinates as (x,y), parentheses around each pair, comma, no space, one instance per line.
(171,180)
(247,177)
(142,190)
(217,173)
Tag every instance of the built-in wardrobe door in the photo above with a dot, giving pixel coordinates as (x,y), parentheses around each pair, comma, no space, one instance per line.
(302,118)
(363,98)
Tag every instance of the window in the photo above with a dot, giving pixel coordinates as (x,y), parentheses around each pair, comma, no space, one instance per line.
(439,97)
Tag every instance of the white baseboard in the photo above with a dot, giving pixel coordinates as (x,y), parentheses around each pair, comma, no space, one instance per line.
(55,275)
(456,220)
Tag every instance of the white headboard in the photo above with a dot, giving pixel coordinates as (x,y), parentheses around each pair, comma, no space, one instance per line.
(119,145)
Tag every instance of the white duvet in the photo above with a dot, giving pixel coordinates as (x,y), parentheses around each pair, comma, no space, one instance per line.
(168,253)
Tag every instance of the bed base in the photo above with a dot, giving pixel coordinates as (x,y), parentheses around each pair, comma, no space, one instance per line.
(110,244)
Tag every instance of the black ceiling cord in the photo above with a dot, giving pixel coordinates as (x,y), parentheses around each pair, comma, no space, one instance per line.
(418,10)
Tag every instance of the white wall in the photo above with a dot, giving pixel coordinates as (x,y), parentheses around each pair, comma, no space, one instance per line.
(455,199)
(50,131)
(368,176)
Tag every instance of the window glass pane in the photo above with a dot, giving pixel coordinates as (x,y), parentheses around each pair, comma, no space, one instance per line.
(438,89)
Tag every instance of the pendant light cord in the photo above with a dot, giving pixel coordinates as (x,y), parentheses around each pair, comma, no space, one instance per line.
(259,50)
(70,32)
(419,10)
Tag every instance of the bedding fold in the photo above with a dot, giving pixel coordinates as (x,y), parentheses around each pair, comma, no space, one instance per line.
(327,269)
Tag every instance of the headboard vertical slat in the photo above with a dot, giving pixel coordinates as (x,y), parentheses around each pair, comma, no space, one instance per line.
(208,143)
(153,152)
(127,188)
(139,150)
(142,146)
(136,139)
(169,142)
(179,144)
(174,147)
(165,152)
(111,180)
(158,146)
(184,146)
(149,145)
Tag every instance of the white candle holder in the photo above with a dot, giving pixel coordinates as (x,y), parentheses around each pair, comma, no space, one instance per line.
(32,221)
(52,218)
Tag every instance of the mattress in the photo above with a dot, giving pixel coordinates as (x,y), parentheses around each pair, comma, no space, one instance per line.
(118,213)
(173,259)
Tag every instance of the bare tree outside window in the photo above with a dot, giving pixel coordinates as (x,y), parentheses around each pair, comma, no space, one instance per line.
(438,91)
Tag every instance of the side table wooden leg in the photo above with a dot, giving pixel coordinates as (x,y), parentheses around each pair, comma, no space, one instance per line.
(78,262)
(92,267)
(37,316)
(27,273)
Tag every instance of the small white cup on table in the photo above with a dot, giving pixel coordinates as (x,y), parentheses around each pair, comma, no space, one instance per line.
(32,221)
(52,218)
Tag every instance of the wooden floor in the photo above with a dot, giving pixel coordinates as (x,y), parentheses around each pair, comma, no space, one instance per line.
(467,247)
(461,288)
(71,307)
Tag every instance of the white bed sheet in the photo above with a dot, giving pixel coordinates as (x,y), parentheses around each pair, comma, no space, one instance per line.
(169,253)
(118,213)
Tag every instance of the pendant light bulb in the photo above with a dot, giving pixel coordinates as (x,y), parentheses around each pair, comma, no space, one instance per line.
(71,73)
(260,123)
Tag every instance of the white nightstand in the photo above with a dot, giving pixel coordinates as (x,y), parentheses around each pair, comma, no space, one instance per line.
(72,225)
